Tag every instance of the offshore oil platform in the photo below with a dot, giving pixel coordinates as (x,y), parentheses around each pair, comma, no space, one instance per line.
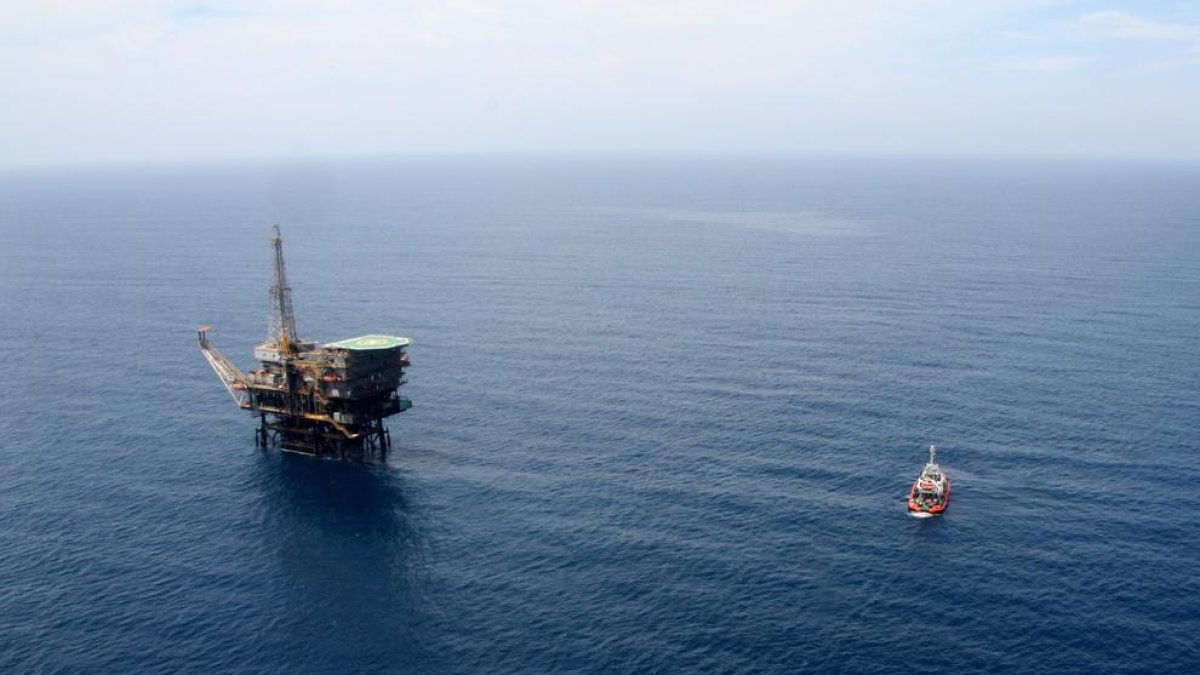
(326,400)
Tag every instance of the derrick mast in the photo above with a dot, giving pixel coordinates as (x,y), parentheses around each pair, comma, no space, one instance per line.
(281,321)
(316,399)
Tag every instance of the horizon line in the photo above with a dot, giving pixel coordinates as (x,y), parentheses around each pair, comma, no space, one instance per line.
(624,154)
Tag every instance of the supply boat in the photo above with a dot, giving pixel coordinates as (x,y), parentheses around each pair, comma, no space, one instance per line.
(930,493)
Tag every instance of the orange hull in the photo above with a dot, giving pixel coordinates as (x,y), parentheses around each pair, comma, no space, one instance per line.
(914,507)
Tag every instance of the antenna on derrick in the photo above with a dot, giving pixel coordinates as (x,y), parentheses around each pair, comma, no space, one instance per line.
(281,321)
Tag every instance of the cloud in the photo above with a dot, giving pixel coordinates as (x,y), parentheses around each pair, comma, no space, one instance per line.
(1055,64)
(1114,23)
(1125,26)
(164,78)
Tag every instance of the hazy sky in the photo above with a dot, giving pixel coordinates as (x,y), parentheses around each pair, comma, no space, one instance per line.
(84,80)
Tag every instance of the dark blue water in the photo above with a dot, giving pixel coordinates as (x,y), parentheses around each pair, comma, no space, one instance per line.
(666,415)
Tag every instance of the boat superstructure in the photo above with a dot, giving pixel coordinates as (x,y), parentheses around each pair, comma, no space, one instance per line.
(930,492)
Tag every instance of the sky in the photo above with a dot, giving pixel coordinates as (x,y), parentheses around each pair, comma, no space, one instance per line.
(87,81)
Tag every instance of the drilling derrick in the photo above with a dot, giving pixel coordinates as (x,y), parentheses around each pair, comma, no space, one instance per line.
(328,399)
(281,322)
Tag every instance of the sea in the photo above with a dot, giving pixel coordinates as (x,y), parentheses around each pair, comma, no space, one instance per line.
(666,414)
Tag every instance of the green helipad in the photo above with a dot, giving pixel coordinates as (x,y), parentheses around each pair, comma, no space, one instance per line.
(371,342)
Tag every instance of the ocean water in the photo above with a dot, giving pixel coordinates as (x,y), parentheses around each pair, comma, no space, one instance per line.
(666,414)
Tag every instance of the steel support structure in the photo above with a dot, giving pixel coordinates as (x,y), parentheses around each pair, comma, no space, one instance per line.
(322,439)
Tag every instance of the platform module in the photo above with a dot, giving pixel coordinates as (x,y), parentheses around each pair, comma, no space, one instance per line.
(319,399)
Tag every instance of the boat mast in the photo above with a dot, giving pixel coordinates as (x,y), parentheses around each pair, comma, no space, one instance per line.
(933,454)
